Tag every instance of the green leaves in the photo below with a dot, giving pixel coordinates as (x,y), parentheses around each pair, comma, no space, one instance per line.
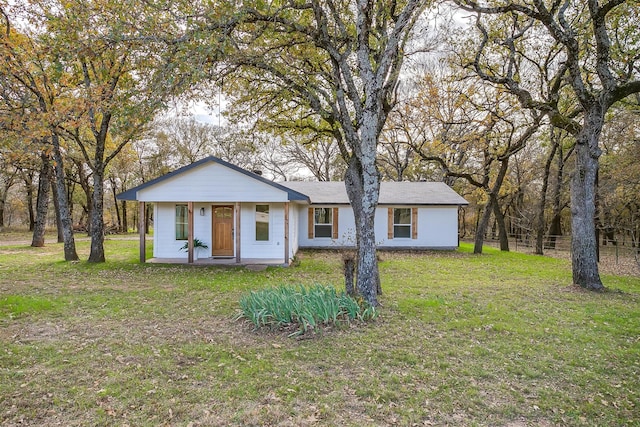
(197,243)
(306,308)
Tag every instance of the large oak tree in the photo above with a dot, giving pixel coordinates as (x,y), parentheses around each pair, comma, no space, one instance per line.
(35,99)
(336,61)
(589,53)
(117,75)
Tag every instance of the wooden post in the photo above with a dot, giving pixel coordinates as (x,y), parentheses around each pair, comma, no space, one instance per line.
(142,227)
(286,233)
(414,223)
(237,233)
(190,232)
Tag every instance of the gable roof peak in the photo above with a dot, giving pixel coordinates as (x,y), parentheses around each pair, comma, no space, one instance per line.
(132,193)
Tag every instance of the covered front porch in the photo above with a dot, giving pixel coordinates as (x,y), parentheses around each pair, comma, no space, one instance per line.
(227,244)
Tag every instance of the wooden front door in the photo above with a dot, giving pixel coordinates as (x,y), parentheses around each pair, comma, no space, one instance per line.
(222,231)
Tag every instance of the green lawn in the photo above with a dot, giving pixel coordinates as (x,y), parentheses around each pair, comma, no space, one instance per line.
(501,339)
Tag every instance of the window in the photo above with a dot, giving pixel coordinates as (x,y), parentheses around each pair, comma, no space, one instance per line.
(401,223)
(223,212)
(182,222)
(262,223)
(323,222)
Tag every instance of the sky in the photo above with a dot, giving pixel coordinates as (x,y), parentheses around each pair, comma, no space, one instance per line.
(206,114)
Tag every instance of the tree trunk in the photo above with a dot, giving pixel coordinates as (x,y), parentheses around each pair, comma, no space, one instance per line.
(493,206)
(543,196)
(502,228)
(97,216)
(88,194)
(609,236)
(583,197)
(3,200)
(56,206)
(462,220)
(70,253)
(349,271)
(363,189)
(136,220)
(42,203)
(70,188)
(114,192)
(147,219)
(597,219)
(4,195)
(481,228)
(125,224)
(555,225)
(28,182)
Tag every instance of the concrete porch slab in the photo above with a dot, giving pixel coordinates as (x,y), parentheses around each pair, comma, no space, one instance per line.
(254,263)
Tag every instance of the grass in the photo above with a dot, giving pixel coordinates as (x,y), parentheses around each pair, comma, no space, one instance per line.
(16,305)
(461,340)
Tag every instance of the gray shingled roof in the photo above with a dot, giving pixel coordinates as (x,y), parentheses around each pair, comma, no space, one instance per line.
(334,192)
(391,193)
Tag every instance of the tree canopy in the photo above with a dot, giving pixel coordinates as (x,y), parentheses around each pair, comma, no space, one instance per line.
(333,66)
(325,85)
(572,61)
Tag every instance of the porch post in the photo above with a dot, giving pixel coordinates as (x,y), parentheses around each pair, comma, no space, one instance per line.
(142,227)
(237,233)
(190,231)
(286,233)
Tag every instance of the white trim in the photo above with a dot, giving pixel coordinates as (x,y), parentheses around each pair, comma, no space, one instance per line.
(270,222)
(409,225)
(330,223)
(175,222)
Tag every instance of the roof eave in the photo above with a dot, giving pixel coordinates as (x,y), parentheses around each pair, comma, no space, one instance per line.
(129,195)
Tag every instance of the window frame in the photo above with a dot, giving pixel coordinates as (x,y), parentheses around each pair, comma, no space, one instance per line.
(268,222)
(328,225)
(408,226)
(181,226)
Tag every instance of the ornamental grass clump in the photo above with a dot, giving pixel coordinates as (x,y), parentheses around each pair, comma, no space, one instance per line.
(306,308)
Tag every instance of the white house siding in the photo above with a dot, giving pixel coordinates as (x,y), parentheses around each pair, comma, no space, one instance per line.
(294,238)
(211,182)
(437,229)
(442,226)
(346,228)
(272,249)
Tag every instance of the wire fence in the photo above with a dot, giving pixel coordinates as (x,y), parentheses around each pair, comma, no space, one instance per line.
(618,252)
